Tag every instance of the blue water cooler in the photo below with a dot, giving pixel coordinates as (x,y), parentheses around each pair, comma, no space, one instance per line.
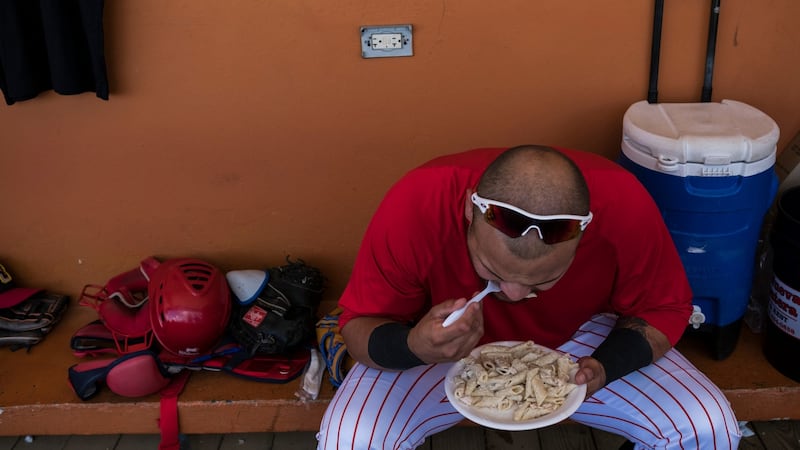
(710,169)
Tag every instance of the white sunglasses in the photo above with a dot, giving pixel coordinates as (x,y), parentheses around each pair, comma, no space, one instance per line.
(515,222)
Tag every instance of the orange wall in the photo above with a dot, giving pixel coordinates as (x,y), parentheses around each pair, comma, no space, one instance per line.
(241,132)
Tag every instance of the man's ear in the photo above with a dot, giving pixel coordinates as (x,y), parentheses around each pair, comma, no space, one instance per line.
(468,209)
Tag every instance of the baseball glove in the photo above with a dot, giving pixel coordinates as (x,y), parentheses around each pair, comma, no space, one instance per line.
(332,347)
(283,315)
(27,323)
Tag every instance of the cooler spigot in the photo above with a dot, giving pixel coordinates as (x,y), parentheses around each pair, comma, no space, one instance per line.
(697,317)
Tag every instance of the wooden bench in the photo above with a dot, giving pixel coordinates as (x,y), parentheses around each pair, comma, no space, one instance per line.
(35,397)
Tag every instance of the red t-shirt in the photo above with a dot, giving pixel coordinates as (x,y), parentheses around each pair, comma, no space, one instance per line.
(414,254)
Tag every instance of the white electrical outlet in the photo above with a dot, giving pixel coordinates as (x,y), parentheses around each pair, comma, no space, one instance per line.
(386,41)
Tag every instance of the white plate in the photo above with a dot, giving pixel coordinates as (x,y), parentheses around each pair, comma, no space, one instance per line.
(504,420)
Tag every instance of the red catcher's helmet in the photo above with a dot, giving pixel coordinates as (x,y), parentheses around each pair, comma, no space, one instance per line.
(190,306)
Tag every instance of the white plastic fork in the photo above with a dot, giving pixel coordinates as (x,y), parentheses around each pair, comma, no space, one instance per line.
(455,315)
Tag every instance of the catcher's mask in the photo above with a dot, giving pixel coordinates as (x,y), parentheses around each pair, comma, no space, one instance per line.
(247,284)
(190,306)
(123,308)
(128,288)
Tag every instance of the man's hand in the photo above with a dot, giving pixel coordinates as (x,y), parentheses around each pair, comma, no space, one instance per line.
(591,373)
(433,343)
(428,340)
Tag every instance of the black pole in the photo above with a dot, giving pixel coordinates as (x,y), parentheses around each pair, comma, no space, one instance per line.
(655,52)
(713,22)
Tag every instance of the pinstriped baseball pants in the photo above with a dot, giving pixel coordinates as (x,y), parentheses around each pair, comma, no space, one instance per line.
(669,404)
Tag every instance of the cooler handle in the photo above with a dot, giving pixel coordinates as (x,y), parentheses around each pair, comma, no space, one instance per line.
(655,51)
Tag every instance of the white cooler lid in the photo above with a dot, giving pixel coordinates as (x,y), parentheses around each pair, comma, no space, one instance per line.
(700,139)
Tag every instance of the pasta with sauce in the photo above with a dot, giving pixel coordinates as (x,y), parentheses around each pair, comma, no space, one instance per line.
(526,378)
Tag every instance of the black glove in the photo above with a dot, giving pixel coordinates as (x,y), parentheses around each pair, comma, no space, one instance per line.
(283,315)
(27,323)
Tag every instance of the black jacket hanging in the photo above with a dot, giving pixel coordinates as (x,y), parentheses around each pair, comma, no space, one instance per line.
(51,44)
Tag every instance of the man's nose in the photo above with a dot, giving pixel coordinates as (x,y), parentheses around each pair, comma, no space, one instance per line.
(516,291)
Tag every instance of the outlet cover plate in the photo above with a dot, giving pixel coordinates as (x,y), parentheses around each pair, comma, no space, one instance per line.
(386,41)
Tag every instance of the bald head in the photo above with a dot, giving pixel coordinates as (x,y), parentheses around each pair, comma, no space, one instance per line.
(537,179)
(540,180)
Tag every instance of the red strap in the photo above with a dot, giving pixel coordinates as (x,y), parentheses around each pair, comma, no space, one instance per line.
(168,420)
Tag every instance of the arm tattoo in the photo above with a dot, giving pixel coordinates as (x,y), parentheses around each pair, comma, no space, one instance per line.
(634,323)
(658,342)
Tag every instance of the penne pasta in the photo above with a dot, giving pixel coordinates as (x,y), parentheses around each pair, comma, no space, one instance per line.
(459,388)
(546,359)
(470,386)
(488,402)
(489,348)
(519,413)
(511,391)
(539,391)
(525,379)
